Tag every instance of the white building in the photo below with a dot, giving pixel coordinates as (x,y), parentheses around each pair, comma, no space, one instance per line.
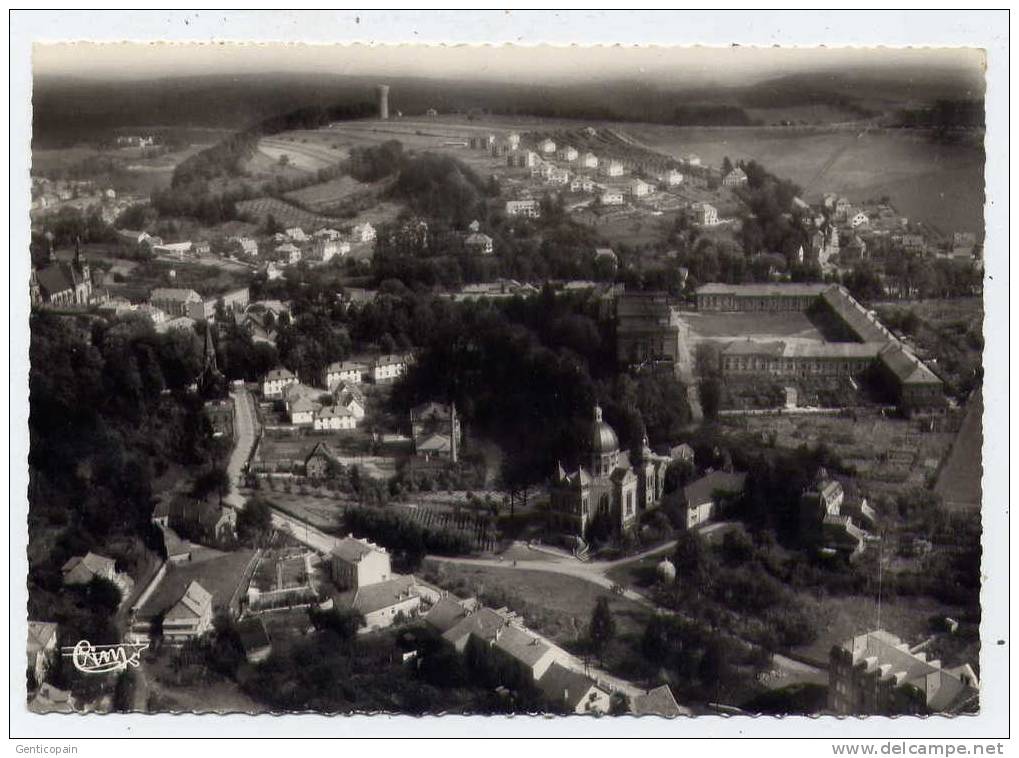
(528,208)
(640,188)
(479,243)
(589,160)
(364,232)
(247,245)
(613,168)
(582,184)
(297,234)
(345,371)
(558,176)
(568,153)
(388,368)
(513,141)
(735,178)
(859,219)
(672,178)
(190,617)
(358,563)
(547,146)
(333,417)
(693,159)
(288,253)
(276,381)
(704,214)
(612,197)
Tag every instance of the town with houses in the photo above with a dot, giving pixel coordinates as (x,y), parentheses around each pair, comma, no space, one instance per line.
(476,442)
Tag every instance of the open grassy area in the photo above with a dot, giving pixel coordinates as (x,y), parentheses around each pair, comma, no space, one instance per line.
(558,606)
(760,326)
(837,618)
(959,481)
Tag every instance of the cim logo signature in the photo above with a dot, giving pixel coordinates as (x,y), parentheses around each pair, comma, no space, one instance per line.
(103,659)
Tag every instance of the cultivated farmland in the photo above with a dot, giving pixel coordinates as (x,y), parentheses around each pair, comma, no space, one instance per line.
(286,214)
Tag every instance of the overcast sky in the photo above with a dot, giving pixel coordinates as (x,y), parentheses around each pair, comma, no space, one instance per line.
(510,63)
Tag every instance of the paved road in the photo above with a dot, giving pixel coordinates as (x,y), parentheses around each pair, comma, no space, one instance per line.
(245,430)
(304,533)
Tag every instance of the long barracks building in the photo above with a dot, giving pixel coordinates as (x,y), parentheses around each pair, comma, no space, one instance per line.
(868,343)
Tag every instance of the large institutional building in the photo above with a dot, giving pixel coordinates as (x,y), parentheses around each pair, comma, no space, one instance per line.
(867,343)
(645,331)
(610,483)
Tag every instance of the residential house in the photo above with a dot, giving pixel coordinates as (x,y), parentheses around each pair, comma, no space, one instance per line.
(190,617)
(345,371)
(613,168)
(558,176)
(672,178)
(179,249)
(302,403)
(324,250)
(174,301)
(704,214)
(876,673)
(692,159)
(612,197)
(82,569)
(272,271)
(329,234)
(573,691)
(860,219)
(297,234)
(589,160)
(357,563)
(435,429)
(640,188)
(388,368)
(449,611)
(254,639)
(245,245)
(133,238)
(658,702)
(528,208)
(533,656)
(700,499)
(363,232)
(347,395)
(321,462)
(483,624)
(276,381)
(523,159)
(479,243)
(735,178)
(842,209)
(200,519)
(287,254)
(568,153)
(547,146)
(606,254)
(582,184)
(202,247)
(42,648)
(823,522)
(384,602)
(333,417)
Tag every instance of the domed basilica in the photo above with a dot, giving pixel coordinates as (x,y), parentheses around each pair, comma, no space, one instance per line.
(610,483)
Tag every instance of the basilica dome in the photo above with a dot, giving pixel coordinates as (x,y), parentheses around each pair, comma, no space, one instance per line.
(603,437)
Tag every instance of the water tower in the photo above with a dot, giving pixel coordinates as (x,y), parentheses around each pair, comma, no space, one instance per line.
(383,93)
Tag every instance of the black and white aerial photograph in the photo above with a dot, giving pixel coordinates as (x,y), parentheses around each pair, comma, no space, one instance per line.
(565,381)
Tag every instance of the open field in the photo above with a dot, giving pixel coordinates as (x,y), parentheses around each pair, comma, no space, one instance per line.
(556,605)
(939,184)
(959,482)
(286,214)
(887,453)
(840,617)
(302,152)
(319,197)
(790,326)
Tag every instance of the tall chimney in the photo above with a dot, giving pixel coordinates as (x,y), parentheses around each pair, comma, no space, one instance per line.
(383,93)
